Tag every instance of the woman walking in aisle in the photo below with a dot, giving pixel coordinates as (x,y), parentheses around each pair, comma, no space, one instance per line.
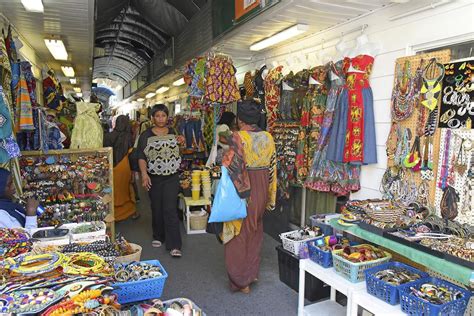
(251,163)
(120,139)
(159,161)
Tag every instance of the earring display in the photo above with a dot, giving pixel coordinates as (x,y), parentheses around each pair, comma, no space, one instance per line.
(456,109)
(73,186)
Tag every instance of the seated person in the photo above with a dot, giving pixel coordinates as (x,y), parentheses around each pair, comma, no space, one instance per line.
(13,215)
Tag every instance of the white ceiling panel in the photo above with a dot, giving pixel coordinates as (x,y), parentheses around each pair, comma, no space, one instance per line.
(71,20)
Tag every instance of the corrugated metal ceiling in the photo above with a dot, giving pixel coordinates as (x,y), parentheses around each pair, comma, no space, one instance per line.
(71,20)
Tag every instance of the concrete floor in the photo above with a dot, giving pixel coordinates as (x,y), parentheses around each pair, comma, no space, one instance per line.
(200,274)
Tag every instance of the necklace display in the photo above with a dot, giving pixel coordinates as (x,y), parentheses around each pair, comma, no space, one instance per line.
(32,301)
(406,92)
(86,263)
(431,88)
(33,265)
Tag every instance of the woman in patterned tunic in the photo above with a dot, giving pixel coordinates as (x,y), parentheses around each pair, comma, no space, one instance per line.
(159,160)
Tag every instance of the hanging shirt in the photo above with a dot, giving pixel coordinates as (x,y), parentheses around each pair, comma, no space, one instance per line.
(87,132)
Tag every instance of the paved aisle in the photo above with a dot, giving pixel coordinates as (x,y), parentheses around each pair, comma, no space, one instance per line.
(200,274)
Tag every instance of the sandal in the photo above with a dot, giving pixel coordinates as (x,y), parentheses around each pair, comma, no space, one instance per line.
(176,253)
(136,216)
(156,243)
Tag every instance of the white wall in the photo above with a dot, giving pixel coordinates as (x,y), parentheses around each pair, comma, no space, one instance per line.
(451,23)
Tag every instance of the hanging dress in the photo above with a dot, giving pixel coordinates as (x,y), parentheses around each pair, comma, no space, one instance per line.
(353,137)
(272,96)
(221,83)
(326,175)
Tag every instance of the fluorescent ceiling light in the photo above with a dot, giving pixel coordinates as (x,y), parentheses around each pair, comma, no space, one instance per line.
(77,89)
(150,95)
(162,89)
(56,48)
(280,37)
(178,82)
(68,71)
(73,80)
(140,100)
(33,5)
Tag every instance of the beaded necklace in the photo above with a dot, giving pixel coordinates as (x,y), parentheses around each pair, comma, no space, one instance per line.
(406,92)
(431,88)
(32,265)
(445,167)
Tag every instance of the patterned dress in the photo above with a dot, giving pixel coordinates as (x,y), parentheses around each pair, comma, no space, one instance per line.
(326,175)
(272,95)
(221,83)
(354,140)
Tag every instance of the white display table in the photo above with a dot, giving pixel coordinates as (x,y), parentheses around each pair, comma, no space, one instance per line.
(188,202)
(356,294)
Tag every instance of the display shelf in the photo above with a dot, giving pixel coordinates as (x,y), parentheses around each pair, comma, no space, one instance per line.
(325,308)
(331,278)
(454,271)
(373,305)
(188,202)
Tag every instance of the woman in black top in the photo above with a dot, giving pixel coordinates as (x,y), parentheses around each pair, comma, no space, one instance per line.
(159,161)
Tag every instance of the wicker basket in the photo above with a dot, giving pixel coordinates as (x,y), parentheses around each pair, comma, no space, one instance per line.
(198,222)
(131,257)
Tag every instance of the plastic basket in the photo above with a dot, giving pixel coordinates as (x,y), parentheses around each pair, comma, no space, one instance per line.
(326,229)
(321,257)
(293,246)
(135,291)
(413,305)
(198,222)
(352,271)
(386,291)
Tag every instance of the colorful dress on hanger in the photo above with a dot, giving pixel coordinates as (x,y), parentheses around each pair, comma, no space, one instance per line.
(5,71)
(301,88)
(249,85)
(221,83)
(327,175)
(315,104)
(353,139)
(272,95)
(287,91)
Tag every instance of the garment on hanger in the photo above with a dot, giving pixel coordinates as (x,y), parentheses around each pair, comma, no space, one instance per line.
(287,91)
(272,95)
(25,68)
(24,106)
(326,175)
(221,83)
(5,71)
(355,139)
(87,132)
(249,85)
(195,77)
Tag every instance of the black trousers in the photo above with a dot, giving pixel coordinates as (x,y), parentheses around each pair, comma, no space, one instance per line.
(164,204)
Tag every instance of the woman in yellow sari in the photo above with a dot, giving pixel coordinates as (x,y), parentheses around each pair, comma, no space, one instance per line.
(120,139)
(251,162)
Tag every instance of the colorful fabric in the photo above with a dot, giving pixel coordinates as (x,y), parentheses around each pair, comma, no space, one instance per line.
(300,81)
(326,175)
(248,84)
(355,131)
(10,46)
(6,126)
(195,76)
(209,128)
(221,83)
(286,138)
(251,149)
(5,71)
(272,95)
(25,68)
(24,108)
(87,132)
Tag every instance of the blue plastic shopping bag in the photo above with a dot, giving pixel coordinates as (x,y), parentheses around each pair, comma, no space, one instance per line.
(227,205)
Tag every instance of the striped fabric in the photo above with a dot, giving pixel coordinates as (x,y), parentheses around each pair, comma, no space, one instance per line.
(24,108)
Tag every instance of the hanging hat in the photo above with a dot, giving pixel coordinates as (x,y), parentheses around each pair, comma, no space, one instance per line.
(248,111)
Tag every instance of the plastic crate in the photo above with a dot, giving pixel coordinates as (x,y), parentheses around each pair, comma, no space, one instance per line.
(352,271)
(289,269)
(293,246)
(135,291)
(385,291)
(321,257)
(326,229)
(413,305)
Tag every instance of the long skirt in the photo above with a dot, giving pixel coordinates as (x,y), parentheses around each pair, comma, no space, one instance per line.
(242,253)
(124,196)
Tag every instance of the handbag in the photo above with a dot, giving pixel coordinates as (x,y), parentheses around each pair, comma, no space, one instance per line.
(227,205)
(133,160)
